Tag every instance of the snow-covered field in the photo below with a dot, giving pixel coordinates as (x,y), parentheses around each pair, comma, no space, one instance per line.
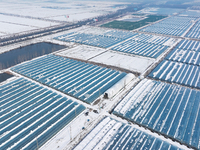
(131,18)
(20,16)
(59,10)
(2,33)
(25,21)
(82,52)
(10,28)
(161,11)
(78,16)
(110,58)
(132,63)
(23,15)
(94,30)
(113,134)
(164,108)
(80,125)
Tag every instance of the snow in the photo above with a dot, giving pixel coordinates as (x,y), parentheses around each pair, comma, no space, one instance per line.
(119,85)
(130,101)
(76,10)
(25,21)
(94,30)
(108,136)
(122,104)
(170,42)
(149,10)
(77,17)
(93,133)
(107,57)
(73,130)
(132,63)
(162,11)
(62,140)
(82,52)
(8,28)
(104,134)
(23,16)
(97,138)
(1,34)
(131,18)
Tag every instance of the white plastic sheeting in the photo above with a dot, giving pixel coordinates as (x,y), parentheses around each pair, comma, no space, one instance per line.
(119,85)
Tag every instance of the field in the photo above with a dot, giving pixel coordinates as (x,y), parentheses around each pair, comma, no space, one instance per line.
(103,39)
(112,134)
(184,56)
(160,11)
(105,88)
(175,25)
(81,80)
(139,64)
(126,25)
(181,65)
(31,114)
(195,31)
(190,13)
(107,57)
(177,72)
(168,109)
(26,16)
(144,45)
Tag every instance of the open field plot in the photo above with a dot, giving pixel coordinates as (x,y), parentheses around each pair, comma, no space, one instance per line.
(81,80)
(109,58)
(26,21)
(177,72)
(195,31)
(82,52)
(104,40)
(10,24)
(131,63)
(67,11)
(168,109)
(171,26)
(26,16)
(160,11)
(111,134)
(133,19)
(144,45)
(8,28)
(127,25)
(31,114)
